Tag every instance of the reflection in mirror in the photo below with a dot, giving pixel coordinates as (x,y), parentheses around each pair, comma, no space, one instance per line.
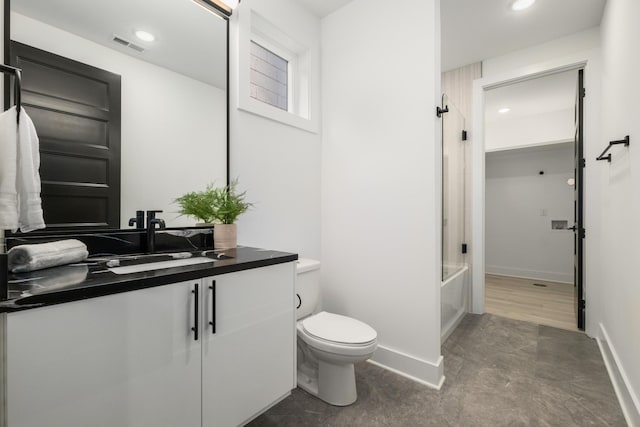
(173,90)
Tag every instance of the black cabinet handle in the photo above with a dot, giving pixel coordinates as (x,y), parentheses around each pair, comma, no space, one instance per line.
(213,306)
(196,315)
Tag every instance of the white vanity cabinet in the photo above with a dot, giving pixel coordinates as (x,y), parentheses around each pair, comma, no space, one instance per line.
(248,359)
(120,360)
(132,359)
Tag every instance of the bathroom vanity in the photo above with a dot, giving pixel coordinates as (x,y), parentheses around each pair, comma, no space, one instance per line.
(198,345)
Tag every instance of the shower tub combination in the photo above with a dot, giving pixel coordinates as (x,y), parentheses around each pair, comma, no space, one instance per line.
(454,297)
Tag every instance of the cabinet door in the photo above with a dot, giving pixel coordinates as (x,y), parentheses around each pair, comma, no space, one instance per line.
(121,360)
(249,363)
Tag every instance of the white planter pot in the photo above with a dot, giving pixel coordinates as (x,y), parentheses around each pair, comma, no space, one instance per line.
(225,236)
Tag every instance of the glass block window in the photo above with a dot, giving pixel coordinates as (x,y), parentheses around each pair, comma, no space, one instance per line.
(269,77)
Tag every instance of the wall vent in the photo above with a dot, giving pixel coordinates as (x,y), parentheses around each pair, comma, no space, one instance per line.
(127,43)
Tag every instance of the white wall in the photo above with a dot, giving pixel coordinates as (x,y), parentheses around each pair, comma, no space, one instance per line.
(616,234)
(381,177)
(525,131)
(520,204)
(173,127)
(581,43)
(278,165)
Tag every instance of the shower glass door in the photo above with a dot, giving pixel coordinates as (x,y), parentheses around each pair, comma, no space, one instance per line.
(453,189)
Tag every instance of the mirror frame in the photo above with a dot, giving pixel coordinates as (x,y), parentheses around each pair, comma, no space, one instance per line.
(7,96)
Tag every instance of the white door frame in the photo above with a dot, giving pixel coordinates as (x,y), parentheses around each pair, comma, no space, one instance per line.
(480,86)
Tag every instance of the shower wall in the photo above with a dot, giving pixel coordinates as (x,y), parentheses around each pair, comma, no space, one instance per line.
(458,85)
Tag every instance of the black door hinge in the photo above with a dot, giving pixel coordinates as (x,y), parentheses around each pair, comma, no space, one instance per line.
(440,111)
(583,163)
(582,304)
(583,233)
(464,248)
(584,92)
(464,135)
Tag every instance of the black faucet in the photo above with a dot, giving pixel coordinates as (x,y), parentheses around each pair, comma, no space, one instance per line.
(138,220)
(151,229)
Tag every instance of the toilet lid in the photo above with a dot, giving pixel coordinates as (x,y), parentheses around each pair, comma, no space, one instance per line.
(341,329)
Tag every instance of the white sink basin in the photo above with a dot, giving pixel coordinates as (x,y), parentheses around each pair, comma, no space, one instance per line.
(138,268)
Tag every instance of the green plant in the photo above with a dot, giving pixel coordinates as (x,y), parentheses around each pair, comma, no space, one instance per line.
(221,205)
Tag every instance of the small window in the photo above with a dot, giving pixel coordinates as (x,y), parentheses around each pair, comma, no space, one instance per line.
(269,78)
(277,73)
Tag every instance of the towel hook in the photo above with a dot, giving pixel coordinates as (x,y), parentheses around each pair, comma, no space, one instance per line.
(18,93)
(17,72)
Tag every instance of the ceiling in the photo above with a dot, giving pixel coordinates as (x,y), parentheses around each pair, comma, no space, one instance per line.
(322,8)
(542,95)
(474,30)
(177,47)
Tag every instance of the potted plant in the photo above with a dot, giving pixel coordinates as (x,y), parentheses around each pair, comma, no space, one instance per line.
(220,206)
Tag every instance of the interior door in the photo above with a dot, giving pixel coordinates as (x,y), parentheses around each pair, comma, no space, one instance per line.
(76,111)
(578,226)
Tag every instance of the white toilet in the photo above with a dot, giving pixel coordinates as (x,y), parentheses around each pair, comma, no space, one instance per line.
(328,344)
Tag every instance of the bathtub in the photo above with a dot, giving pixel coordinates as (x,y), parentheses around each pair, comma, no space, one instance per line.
(454,297)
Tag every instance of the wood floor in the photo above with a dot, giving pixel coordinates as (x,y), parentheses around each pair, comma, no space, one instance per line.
(520,299)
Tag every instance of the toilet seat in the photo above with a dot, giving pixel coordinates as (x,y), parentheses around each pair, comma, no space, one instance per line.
(339,329)
(326,323)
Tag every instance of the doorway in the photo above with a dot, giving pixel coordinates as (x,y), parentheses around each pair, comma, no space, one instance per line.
(529,244)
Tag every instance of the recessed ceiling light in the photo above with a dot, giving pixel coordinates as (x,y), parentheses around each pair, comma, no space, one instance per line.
(522,4)
(145,36)
(504,110)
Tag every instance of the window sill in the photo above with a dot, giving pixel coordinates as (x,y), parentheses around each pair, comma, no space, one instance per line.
(259,108)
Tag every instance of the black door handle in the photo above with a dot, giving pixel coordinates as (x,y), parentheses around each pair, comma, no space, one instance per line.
(196,292)
(574,228)
(213,307)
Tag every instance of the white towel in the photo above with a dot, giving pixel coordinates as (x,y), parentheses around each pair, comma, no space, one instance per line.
(8,169)
(20,203)
(36,257)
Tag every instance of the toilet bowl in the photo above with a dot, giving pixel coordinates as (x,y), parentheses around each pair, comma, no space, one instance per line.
(328,344)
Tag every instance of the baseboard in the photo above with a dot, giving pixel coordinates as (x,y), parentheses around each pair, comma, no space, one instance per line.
(550,276)
(628,398)
(422,371)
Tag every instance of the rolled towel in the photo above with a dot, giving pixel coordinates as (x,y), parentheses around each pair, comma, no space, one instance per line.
(36,257)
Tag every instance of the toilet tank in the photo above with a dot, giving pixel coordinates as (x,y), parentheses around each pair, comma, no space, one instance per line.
(307,287)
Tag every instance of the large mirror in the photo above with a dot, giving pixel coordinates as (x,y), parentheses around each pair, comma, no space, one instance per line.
(173,104)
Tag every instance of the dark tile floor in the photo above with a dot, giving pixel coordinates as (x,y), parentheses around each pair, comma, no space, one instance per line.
(499,372)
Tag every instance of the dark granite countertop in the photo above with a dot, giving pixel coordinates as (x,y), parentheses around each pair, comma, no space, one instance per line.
(93,279)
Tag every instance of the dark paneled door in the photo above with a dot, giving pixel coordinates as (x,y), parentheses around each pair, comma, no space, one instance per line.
(76,112)
(578,226)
